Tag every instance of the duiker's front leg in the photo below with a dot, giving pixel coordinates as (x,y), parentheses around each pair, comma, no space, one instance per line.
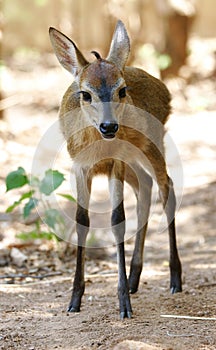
(142,185)
(82,219)
(116,183)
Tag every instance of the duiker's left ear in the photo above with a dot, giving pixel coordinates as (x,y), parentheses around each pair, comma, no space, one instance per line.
(120,46)
(67,52)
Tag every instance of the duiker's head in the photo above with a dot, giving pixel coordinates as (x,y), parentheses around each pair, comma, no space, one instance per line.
(101,83)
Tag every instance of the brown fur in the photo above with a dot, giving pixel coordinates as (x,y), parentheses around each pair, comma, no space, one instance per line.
(109,100)
(144,91)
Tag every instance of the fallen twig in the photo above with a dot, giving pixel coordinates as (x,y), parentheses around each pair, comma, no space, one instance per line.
(180,335)
(35,283)
(190,317)
(21,275)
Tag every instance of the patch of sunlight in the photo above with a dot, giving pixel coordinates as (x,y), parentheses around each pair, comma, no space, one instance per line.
(150,272)
(203,266)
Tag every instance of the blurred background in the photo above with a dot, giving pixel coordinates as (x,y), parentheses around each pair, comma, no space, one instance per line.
(169,38)
(174,40)
(158,27)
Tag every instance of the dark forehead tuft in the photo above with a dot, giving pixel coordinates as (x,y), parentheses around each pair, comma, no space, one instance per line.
(101,72)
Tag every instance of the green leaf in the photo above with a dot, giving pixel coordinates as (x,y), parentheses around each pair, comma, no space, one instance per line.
(16,203)
(12,207)
(16,179)
(27,195)
(32,235)
(34,181)
(32,203)
(67,196)
(52,180)
(53,217)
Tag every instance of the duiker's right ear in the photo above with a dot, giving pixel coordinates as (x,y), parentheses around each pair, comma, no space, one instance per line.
(66,51)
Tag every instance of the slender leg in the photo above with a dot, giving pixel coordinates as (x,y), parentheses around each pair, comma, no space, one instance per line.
(116,181)
(169,204)
(143,194)
(82,219)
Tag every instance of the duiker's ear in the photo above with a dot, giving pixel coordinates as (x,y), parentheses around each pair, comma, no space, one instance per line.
(120,46)
(66,51)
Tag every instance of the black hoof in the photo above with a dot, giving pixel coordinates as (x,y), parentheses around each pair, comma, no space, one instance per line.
(134,278)
(133,284)
(133,290)
(174,290)
(71,308)
(125,314)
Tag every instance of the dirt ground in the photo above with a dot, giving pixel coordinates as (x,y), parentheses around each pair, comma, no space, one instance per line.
(34,297)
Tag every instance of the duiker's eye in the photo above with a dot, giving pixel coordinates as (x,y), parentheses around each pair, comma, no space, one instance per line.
(86,96)
(122,92)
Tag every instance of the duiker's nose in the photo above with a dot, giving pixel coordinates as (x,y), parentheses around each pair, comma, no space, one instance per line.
(108,129)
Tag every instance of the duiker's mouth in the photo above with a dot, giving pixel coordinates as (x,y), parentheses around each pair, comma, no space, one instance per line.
(108,137)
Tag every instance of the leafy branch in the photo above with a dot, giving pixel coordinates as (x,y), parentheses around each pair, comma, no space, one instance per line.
(38,192)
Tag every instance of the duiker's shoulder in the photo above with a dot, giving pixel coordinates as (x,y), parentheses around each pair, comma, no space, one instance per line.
(148,92)
(137,76)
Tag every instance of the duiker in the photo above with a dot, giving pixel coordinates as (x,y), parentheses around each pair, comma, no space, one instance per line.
(113,117)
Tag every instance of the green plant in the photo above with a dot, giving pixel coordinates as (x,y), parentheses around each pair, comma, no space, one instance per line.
(38,192)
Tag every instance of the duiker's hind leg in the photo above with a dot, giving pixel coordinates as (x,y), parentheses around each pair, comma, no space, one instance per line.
(141,182)
(82,219)
(169,204)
